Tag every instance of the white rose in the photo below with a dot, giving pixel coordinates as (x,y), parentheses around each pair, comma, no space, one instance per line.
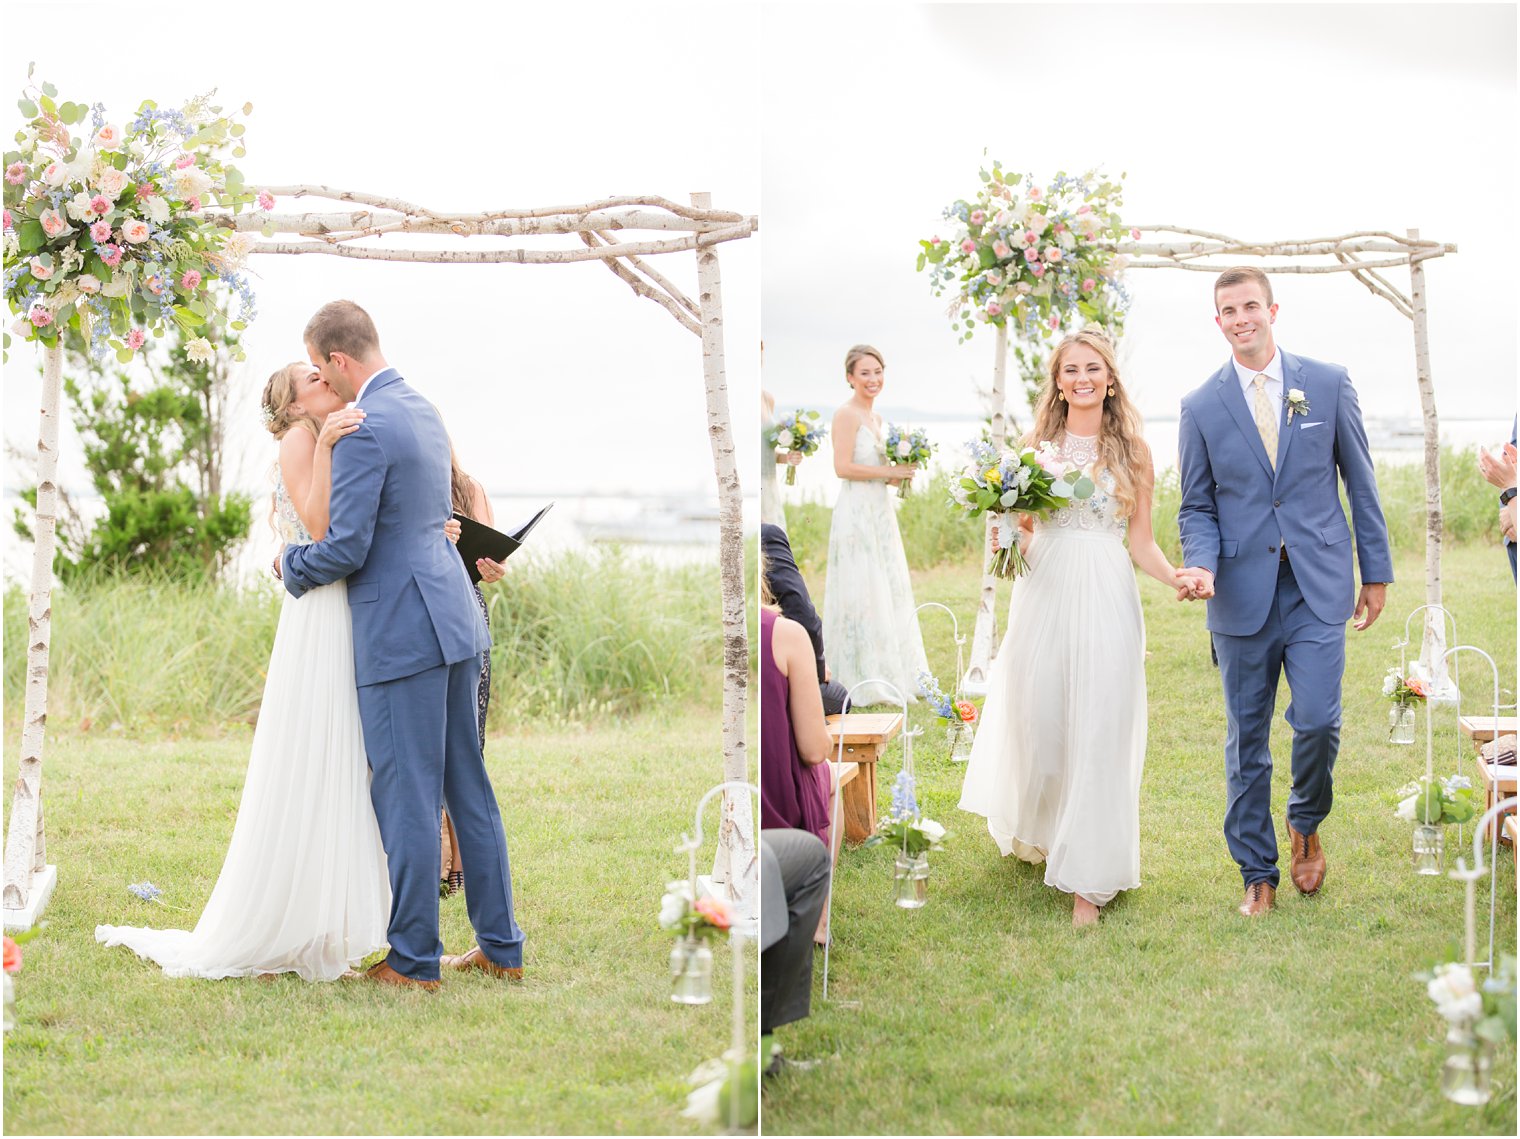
(136,148)
(932,830)
(199,350)
(108,137)
(1067,239)
(1405,809)
(1463,1010)
(783,438)
(672,907)
(55,174)
(1295,395)
(157,209)
(39,271)
(191,182)
(702,1104)
(134,231)
(1390,685)
(89,284)
(78,207)
(113,182)
(904,448)
(21,326)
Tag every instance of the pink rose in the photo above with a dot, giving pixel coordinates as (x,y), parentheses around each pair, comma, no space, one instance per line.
(193,204)
(134,231)
(1084,208)
(7,219)
(38,270)
(100,232)
(15,173)
(1060,227)
(52,223)
(1037,269)
(978,217)
(1030,237)
(716,911)
(100,205)
(55,174)
(1000,249)
(111,255)
(135,339)
(934,241)
(146,190)
(191,279)
(266,200)
(994,309)
(89,284)
(1052,253)
(183,161)
(40,317)
(1088,285)
(108,137)
(1135,233)
(1031,254)
(1035,193)
(968,246)
(1047,459)
(1055,321)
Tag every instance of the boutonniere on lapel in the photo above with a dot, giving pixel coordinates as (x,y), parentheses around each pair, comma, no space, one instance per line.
(1298,403)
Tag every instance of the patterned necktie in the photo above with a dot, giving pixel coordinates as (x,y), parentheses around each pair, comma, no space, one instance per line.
(1266,419)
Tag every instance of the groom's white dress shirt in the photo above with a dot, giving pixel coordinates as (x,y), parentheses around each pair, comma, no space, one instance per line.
(1274,373)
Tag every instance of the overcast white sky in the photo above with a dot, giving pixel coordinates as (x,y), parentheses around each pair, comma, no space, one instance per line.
(1266,122)
(553,378)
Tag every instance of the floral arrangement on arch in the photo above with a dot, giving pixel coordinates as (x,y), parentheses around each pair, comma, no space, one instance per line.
(1038,256)
(106,229)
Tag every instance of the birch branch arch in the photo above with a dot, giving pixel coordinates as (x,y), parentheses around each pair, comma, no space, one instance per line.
(620,232)
(1361,254)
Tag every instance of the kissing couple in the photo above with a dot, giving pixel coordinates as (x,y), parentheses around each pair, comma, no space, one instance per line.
(368,724)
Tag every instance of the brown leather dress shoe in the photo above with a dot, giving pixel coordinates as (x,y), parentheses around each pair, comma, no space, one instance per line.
(1260,897)
(382,973)
(475,959)
(1306,863)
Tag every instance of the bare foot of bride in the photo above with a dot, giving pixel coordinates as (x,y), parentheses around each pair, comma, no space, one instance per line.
(1083,912)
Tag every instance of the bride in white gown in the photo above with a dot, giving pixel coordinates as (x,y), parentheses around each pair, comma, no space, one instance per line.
(1056,764)
(303,888)
(870,623)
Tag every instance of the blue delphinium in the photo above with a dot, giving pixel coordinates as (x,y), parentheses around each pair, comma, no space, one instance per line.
(147,891)
(904,805)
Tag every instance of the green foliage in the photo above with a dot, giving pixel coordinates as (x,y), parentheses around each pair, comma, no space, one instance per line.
(154,452)
(575,637)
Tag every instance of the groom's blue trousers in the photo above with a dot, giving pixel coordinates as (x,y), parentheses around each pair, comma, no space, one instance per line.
(1313,655)
(423,741)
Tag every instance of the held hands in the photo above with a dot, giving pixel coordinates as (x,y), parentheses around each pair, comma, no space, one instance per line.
(1369,603)
(1500,470)
(1193,584)
(344,421)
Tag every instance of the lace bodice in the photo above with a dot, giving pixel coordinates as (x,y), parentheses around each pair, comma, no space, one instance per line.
(1098,513)
(292,530)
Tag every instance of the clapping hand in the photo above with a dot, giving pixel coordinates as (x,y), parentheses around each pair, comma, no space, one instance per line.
(1500,470)
(1193,584)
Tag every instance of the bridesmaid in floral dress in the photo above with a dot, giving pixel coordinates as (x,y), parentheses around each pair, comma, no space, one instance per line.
(870,623)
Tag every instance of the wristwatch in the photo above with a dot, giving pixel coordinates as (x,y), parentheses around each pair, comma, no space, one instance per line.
(1506,496)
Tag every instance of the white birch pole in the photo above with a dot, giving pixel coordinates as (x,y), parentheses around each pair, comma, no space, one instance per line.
(736,864)
(983,640)
(1432,647)
(25,850)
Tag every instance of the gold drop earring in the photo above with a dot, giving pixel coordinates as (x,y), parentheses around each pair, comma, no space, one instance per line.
(1060,395)
(1110,393)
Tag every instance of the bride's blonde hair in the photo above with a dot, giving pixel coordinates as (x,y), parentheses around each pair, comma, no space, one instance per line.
(279,396)
(1121,443)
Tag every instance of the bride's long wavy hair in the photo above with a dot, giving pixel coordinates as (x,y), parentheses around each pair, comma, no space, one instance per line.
(280,416)
(1121,443)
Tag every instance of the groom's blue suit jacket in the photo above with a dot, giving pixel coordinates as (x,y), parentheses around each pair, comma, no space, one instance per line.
(1236,509)
(412,605)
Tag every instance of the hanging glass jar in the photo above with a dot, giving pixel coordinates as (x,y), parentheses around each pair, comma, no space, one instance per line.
(910,880)
(1469,1060)
(1429,847)
(691,965)
(1401,724)
(960,746)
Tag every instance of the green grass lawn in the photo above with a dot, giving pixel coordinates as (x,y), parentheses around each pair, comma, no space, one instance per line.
(589,1044)
(985,1012)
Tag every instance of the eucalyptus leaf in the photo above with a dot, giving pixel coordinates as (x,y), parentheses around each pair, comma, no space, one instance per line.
(28,108)
(1084,488)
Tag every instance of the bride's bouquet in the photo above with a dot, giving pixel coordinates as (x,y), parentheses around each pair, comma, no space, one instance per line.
(801,432)
(906,446)
(1030,481)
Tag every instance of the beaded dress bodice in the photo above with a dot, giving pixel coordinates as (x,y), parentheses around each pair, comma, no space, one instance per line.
(292,530)
(1097,514)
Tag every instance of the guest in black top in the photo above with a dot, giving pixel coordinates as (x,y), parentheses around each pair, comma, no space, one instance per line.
(791,594)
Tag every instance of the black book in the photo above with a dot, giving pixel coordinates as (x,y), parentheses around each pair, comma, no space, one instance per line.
(477,540)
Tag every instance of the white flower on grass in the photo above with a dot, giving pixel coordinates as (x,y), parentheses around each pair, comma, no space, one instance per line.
(199,350)
(784,438)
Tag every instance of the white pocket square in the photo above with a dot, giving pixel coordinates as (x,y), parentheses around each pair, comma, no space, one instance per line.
(1306,426)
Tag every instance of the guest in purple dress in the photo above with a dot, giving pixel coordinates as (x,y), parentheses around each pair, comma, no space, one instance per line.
(794,737)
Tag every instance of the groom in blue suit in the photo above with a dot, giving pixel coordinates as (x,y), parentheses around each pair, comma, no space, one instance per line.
(1260,444)
(418,636)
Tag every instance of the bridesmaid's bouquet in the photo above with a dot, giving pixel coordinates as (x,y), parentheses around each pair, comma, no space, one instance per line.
(801,432)
(905,446)
(1030,481)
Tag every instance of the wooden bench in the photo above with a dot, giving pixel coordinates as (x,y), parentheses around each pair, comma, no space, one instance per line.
(1482,728)
(865,736)
(1498,783)
(1510,833)
(840,775)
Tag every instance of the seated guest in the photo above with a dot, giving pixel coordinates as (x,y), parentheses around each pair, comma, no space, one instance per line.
(783,577)
(794,883)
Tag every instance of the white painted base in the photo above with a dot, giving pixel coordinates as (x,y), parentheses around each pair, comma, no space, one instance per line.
(974,683)
(746,924)
(19,921)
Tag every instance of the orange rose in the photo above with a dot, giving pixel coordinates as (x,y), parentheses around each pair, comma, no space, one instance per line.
(967,711)
(12,956)
(716,911)
(1417,686)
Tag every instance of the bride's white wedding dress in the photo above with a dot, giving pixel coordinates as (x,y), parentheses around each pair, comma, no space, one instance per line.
(304,887)
(870,625)
(1056,765)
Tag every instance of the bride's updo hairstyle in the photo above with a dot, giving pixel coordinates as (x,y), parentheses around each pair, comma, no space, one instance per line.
(1121,443)
(858,353)
(280,414)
